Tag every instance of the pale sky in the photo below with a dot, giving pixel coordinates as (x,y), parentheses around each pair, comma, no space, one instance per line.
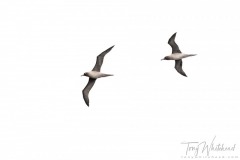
(146,110)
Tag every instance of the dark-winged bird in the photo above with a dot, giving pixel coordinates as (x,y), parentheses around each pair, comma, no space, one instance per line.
(177,55)
(94,75)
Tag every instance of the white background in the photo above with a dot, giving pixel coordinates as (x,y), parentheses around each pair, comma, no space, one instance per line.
(146,110)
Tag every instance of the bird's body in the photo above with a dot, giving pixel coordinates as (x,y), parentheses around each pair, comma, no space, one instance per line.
(176,55)
(94,75)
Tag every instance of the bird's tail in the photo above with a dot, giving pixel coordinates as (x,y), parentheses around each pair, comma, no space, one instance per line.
(106,75)
(188,55)
(192,54)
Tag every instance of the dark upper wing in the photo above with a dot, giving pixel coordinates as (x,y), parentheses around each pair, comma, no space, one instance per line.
(100,58)
(86,90)
(172,43)
(178,67)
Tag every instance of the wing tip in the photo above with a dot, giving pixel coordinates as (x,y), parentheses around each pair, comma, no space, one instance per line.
(183,74)
(87,103)
(107,50)
(174,34)
(180,71)
(85,98)
(172,37)
(111,47)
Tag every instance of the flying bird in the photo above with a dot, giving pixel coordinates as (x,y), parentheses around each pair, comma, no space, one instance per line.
(176,55)
(94,75)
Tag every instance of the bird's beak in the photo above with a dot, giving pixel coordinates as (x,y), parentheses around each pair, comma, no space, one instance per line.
(162,59)
(82,75)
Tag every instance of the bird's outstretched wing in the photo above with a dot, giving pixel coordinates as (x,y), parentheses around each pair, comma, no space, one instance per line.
(100,58)
(86,90)
(173,44)
(178,67)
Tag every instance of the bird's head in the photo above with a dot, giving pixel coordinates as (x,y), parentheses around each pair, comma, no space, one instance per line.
(85,74)
(166,58)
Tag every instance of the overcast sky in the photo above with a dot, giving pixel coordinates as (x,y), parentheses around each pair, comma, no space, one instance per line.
(146,110)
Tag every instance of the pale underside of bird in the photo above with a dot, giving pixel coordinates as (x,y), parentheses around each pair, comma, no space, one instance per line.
(94,75)
(177,55)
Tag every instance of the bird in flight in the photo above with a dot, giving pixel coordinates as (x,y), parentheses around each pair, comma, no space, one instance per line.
(176,55)
(94,75)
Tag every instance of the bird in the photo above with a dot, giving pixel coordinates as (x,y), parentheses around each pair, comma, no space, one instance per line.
(177,55)
(94,75)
